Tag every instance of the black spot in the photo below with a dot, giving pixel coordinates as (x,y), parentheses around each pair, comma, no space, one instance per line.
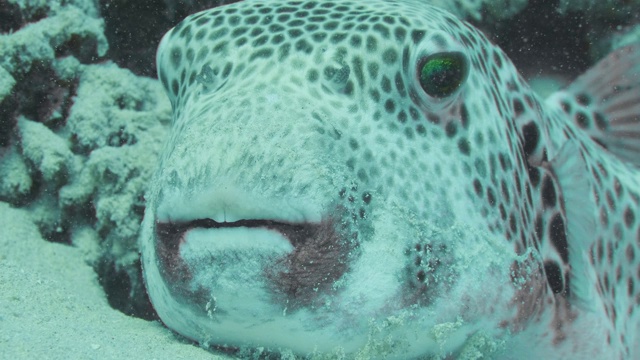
(610,201)
(372,44)
(313,75)
(400,85)
(491,198)
(554,276)
(415,115)
(294,33)
(219,47)
(534,175)
(234,20)
(464,146)
(366,197)
(481,167)
(505,164)
(276,28)
(227,70)
(176,56)
(304,46)
(375,95)
(451,129)
(477,186)
(331,25)
(601,122)
(629,218)
(373,69)
(385,84)
(402,116)
(505,191)
(262,53)
(251,20)
(200,34)
(319,36)
(464,116)
(400,33)
(513,225)
(311,27)
(417,36)
(260,41)
(338,37)
(175,87)
(283,51)
(390,106)
(530,137)
(583,99)
(617,187)
(239,31)
(390,56)
(382,30)
(356,41)
(558,236)
(548,192)
(497,59)
(582,120)
(203,21)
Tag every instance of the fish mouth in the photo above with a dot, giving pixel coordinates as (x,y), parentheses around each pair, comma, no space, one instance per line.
(304,259)
(168,232)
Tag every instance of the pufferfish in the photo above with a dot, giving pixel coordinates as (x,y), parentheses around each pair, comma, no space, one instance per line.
(374,179)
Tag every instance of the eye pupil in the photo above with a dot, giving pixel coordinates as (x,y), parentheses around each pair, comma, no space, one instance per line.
(442,74)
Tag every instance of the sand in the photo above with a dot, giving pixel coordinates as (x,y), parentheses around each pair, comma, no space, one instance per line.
(52,307)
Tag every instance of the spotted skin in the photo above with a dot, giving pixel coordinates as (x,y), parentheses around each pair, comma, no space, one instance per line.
(397,214)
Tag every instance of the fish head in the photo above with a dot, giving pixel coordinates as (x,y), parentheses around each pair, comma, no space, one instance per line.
(337,172)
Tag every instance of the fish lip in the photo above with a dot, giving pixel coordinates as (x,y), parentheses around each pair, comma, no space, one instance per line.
(296,233)
(298,279)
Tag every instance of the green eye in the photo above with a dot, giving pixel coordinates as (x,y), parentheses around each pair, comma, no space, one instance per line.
(442,74)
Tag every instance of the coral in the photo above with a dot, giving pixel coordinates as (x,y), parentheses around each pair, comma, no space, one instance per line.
(78,138)
(35,34)
(15,182)
(44,150)
(117,122)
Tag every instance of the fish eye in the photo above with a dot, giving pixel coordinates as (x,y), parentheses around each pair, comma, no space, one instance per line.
(443,73)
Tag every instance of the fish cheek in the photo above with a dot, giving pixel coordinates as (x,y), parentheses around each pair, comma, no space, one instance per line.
(320,258)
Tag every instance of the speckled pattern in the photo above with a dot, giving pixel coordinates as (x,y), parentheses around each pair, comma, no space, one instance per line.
(309,119)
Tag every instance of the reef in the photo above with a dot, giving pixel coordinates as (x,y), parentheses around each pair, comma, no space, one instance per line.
(79,137)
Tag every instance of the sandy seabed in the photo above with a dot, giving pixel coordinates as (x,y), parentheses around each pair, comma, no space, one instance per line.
(52,307)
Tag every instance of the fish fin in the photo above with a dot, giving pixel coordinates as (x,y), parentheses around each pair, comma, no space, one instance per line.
(570,169)
(605,102)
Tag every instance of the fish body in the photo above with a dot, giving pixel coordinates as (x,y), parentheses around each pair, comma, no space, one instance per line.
(374,178)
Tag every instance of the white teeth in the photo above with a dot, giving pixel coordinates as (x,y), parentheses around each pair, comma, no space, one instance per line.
(229,204)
